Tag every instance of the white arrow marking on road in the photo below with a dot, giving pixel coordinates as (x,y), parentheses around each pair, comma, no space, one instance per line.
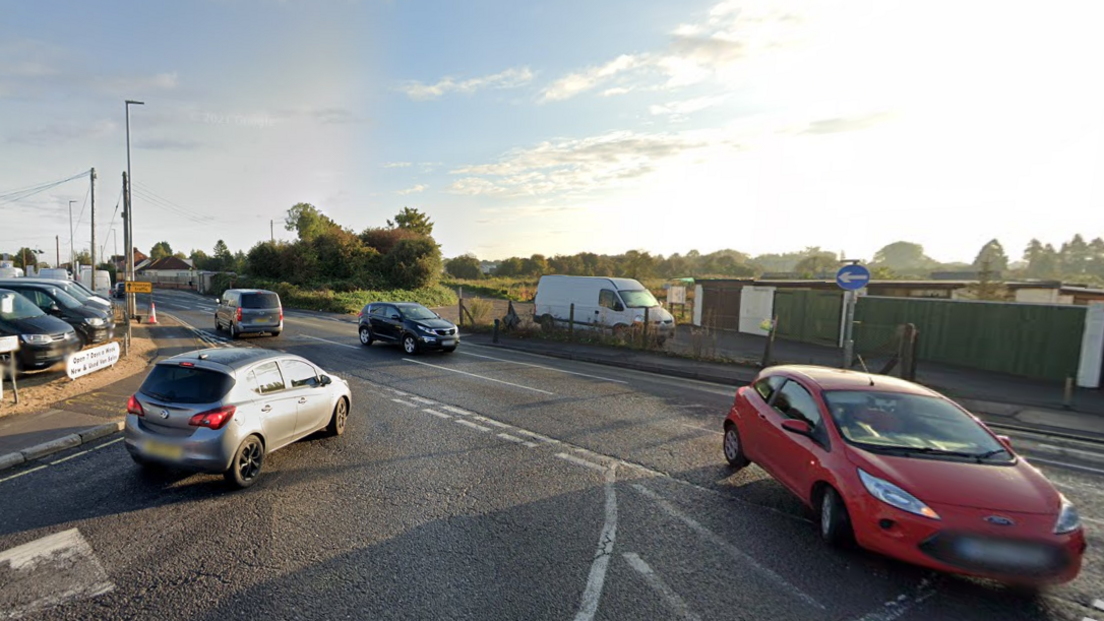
(847,277)
(48,572)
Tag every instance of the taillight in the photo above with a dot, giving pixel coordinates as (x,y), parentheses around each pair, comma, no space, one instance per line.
(239,313)
(214,419)
(281,314)
(134,407)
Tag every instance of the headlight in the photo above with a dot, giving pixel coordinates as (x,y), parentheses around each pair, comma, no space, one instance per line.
(36,339)
(894,496)
(1068,519)
(425,329)
(94,321)
(639,319)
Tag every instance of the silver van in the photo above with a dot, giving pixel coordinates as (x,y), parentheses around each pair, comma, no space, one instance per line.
(244,311)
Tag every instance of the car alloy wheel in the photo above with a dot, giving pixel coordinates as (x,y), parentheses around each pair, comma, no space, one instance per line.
(410,345)
(365,336)
(247,464)
(835,525)
(733,449)
(233,330)
(340,416)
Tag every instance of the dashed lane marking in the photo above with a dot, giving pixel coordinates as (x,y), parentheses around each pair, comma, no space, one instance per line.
(491,421)
(578,461)
(596,580)
(318,338)
(406,403)
(424,401)
(540,366)
(437,414)
(675,603)
(720,433)
(49,572)
(456,410)
(468,423)
(482,377)
(506,436)
(731,549)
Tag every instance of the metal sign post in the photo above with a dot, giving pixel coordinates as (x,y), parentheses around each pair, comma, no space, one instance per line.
(850,278)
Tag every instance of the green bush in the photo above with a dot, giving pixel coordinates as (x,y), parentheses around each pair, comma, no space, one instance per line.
(414,263)
(351,301)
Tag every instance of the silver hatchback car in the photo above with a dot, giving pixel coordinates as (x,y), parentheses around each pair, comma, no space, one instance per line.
(224,410)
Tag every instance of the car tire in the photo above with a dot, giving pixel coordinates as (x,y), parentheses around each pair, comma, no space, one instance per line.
(733,448)
(835,523)
(339,418)
(410,345)
(233,331)
(218,326)
(365,336)
(246,466)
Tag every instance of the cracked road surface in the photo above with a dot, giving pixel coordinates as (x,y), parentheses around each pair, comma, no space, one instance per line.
(483,484)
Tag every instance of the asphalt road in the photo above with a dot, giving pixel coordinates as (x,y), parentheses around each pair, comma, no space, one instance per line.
(483,484)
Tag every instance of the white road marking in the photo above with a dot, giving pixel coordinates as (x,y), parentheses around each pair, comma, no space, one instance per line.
(588,606)
(506,436)
(48,572)
(16,476)
(1062,464)
(897,608)
(489,379)
(674,602)
(456,410)
(1092,521)
(490,421)
(406,403)
(424,401)
(63,459)
(468,423)
(1098,604)
(538,366)
(720,433)
(105,444)
(318,338)
(538,436)
(437,414)
(723,544)
(581,462)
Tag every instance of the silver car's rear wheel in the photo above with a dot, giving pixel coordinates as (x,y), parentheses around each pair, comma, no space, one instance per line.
(247,463)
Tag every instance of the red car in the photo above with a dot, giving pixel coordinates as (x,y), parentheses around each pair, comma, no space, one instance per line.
(906,472)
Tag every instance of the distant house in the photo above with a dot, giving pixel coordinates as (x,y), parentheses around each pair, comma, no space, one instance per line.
(169,273)
(140,260)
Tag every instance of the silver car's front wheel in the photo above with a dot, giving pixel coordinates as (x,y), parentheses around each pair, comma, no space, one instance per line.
(340,415)
(247,463)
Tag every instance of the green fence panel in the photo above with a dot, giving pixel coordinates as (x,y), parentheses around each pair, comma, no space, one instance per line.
(1031,340)
(808,316)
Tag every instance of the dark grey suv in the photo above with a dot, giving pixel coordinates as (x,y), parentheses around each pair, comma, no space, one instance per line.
(412,325)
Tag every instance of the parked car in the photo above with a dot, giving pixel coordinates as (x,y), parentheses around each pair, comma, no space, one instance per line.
(74,289)
(93,325)
(43,340)
(906,472)
(412,325)
(180,416)
(614,303)
(243,311)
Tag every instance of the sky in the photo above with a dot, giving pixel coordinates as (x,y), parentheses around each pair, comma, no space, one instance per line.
(558,127)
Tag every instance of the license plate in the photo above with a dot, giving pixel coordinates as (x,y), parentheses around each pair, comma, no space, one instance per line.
(448,342)
(164,451)
(1002,553)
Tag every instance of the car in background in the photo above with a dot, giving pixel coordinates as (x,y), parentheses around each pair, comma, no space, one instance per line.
(43,340)
(612,303)
(409,324)
(246,311)
(225,410)
(119,290)
(93,325)
(905,472)
(74,289)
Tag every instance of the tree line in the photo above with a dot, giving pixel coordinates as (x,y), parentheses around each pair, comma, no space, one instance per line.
(1074,260)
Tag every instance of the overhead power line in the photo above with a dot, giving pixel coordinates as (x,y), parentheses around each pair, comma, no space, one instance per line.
(12,196)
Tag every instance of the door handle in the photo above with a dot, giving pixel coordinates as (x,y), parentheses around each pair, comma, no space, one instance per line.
(302,399)
(267,408)
(763,416)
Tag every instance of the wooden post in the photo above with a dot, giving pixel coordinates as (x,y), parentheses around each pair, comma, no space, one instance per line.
(768,351)
(460,309)
(571,323)
(646,326)
(494,337)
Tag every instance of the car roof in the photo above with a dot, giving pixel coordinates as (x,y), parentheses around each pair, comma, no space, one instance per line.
(828,378)
(407,304)
(252,291)
(30,282)
(233,358)
(39,281)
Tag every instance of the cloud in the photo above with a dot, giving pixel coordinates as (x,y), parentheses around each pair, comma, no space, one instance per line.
(578,166)
(688,106)
(728,34)
(62,133)
(413,190)
(325,115)
(510,78)
(168,144)
(846,124)
(398,164)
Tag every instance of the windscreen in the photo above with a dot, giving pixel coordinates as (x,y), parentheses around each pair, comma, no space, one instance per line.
(260,300)
(63,298)
(177,384)
(888,420)
(77,293)
(14,306)
(417,312)
(638,298)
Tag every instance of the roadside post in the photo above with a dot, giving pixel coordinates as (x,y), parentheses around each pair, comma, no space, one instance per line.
(9,345)
(133,287)
(850,278)
(494,337)
(571,324)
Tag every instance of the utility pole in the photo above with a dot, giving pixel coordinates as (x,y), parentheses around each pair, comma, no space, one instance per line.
(129,219)
(72,255)
(129,264)
(57,243)
(93,249)
(271,231)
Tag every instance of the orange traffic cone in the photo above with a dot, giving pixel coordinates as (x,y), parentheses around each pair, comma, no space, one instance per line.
(153,313)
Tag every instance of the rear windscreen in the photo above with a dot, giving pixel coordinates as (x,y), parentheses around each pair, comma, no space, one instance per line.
(169,382)
(260,300)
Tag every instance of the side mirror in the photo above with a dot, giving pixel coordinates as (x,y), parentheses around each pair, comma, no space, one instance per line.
(619,307)
(799,427)
(1006,441)
(325,380)
(396,317)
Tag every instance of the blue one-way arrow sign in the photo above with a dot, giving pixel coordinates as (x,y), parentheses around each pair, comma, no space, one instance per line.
(852,277)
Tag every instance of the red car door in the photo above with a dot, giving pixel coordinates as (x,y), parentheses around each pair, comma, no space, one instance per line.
(795,458)
(754,406)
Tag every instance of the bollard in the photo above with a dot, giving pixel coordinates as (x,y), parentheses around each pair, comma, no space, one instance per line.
(494,335)
(571,324)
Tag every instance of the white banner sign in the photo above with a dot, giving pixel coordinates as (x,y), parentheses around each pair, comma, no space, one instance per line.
(8,343)
(676,295)
(90,360)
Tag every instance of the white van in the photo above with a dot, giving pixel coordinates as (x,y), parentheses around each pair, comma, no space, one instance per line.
(54,273)
(599,301)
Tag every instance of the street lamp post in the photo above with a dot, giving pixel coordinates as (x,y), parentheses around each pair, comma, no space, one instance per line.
(129,217)
(72,251)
